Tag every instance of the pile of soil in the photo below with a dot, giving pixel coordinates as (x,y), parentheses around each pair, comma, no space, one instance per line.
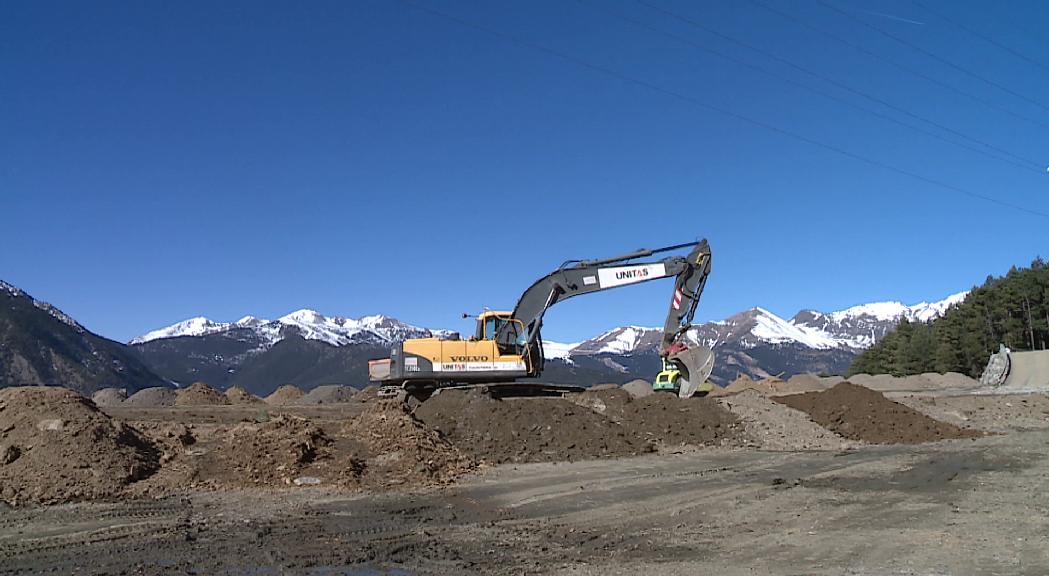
(57,446)
(672,421)
(240,396)
(109,397)
(769,425)
(200,394)
(286,394)
(863,414)
(401,450)
(807,383)
(368,394)
(272,453)
(638,388)
(525,429)
(328,394)
(594,424)
(151,398)
(743,382)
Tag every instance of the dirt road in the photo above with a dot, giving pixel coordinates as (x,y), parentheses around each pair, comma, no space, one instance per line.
(956,507)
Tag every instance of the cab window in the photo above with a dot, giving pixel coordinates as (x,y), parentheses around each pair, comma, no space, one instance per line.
(491,326)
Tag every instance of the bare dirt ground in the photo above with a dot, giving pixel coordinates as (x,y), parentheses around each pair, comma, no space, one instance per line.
(770,493)
(959,507)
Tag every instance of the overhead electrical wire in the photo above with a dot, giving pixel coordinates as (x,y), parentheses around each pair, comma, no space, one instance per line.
(918,73)
(1020,161)
(932,55)
(714,108)
(980,35)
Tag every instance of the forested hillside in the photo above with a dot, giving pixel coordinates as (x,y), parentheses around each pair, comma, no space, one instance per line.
(1011,310)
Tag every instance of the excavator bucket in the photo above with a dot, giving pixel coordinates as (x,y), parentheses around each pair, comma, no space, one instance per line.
(695,364)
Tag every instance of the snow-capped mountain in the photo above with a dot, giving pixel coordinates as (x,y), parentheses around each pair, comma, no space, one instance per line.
(854,328)
(308,348)
(309,324)
(42,346)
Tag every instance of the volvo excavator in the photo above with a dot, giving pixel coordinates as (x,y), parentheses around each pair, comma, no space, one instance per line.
(508,347)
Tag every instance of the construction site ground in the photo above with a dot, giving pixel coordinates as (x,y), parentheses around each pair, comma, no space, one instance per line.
(766,490)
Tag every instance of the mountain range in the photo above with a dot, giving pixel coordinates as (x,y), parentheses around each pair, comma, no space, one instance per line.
(308,349)
(41,345)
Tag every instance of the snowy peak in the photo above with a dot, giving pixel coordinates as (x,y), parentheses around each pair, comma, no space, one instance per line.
(923,311)
(309,324)
(624,340)
(198,326)
(55,313)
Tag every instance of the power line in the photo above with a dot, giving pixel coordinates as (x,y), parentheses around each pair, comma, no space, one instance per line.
(980,35)
(705,105)
(899,66)
(918,48)
(1028,164)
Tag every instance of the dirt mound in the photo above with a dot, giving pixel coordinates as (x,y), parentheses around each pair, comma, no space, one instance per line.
(240,396)
(328,394)
(860,413)
(767,386)
(401,450)
(274,453)
(769,425)
(525,429)
(638,388)
(286,394)
(806,383)
(109,397)
(591,425)
(672,421)
(368,394)
(152,398)
(57,446)
(200,394)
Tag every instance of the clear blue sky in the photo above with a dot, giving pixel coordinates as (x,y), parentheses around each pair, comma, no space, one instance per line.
(166,160)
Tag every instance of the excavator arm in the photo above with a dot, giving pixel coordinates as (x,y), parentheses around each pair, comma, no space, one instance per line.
(522,334)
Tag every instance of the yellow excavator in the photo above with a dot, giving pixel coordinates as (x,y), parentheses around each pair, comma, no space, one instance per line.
(507,347)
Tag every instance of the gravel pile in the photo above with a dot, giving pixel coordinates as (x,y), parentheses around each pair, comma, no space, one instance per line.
(152,398)
(328,394)
(109,397)
(286,394)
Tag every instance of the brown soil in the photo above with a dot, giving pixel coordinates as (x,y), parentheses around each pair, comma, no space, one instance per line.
(596,424)
(108,397)
(329,394)
(638,388)
(240,396)
(860,413)
(200,394)
(368,394)
(152,398)
(56,446)
(401,450)
(284,395)
(275,453)
(769,425)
